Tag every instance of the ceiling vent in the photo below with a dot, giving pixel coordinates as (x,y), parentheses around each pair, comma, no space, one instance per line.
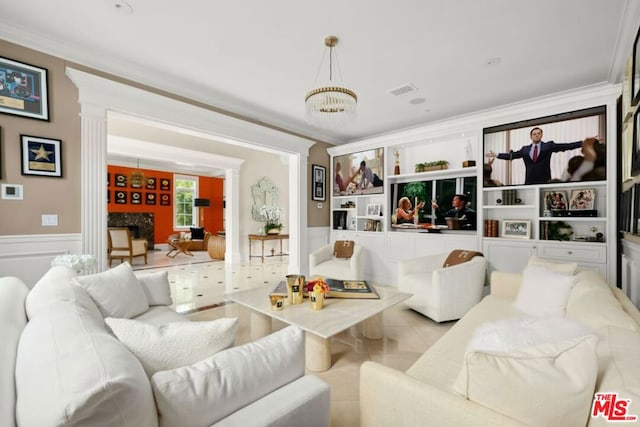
(404,89)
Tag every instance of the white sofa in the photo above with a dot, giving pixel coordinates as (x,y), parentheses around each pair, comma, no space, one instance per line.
(441,293)
(61,365)
(424,394)
(322,262)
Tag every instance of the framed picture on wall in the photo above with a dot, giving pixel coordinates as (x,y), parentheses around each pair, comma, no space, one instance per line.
(121,197)
(635,73)
(165,184)
(136,197)
(150,183)
(41,156)
(121,180)
(150,199)
(24,90)
(635,146)
(318,183)
(165,200)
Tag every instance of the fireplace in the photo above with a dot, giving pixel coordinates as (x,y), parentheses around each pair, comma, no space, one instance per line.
(140,224)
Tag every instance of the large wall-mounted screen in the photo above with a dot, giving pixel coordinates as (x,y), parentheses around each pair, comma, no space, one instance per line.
(563,147)
(359,173)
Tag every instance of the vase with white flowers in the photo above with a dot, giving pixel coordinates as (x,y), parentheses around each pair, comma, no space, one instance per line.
(271,216)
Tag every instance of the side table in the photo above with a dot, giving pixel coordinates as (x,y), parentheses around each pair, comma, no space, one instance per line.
(179,246)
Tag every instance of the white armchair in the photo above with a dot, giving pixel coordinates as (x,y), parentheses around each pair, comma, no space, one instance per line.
(322,262)
(442,293)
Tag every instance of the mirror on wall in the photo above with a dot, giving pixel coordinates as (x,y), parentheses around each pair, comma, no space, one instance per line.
(264,193)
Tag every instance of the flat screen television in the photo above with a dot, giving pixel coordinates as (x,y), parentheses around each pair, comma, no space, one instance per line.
(359,173)
(558,160)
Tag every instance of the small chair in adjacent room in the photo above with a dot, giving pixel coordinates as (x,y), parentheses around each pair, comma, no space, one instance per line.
(342,260)
(199,239)
(123,246)
(444,286)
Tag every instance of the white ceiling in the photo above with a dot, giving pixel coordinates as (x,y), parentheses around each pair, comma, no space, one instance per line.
(258,58)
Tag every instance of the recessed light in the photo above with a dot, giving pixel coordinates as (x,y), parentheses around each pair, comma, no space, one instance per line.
(416,101)
(122,7)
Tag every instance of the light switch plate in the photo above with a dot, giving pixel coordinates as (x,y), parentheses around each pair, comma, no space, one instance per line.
(50,220)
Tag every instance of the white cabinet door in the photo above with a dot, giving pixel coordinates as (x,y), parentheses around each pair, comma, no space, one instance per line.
(375,267)
(505,255)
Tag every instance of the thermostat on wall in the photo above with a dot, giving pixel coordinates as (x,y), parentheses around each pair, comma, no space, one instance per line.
(12,191)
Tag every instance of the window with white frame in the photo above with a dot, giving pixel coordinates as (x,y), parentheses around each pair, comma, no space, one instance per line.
(186,189)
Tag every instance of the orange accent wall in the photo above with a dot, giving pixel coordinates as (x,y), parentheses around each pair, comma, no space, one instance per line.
(208,188)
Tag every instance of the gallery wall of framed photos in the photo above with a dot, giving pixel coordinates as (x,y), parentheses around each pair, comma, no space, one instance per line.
(629,199)
(155,195)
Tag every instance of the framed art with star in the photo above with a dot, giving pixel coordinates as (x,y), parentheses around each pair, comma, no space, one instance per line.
(41,156)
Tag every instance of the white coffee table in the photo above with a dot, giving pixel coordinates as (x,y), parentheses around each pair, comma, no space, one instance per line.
(320,325)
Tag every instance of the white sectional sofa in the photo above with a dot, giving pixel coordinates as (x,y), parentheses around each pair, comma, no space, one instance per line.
(427,395)
(61,365)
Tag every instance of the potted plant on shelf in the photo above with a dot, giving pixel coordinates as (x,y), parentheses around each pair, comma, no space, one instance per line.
(271,217)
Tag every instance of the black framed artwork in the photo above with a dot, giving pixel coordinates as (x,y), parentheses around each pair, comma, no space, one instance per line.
(165,200)
(635,147)
(41,156)
(635,71)
(165,184)
(318,183)
(150,199)
(136,197)
(150,183)
(121,180)
(121,197)
(24,90)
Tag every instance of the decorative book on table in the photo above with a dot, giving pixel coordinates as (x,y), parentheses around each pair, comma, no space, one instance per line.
(338,289)
(351,289)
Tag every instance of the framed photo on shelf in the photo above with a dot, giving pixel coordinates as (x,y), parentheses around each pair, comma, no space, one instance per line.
(516,228)
(41,156)
(373,210)
(582,198)
(23,90)
(555,200)
(318,183)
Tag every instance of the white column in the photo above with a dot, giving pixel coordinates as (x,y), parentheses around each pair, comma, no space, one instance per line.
(94,182)
(232,216)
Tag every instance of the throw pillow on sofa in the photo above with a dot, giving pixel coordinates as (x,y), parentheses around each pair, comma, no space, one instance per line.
(210,390)
(197,233)
(117,292)
(540,372)
(175,344)
(558,267)
(156,288)
(544,292)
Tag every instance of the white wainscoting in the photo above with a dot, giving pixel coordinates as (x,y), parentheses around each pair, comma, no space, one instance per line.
(28,257)
(631,271)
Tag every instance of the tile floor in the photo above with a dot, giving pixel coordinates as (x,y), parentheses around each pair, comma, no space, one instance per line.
(199,286)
